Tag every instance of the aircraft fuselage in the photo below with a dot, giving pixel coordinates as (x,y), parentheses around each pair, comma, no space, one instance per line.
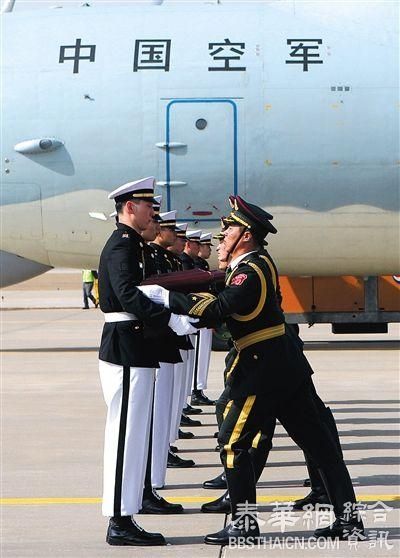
(294,106)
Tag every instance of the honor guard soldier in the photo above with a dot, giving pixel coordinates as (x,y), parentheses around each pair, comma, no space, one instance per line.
(204,339)
(223,254)
(168,354)
(179,245)
(200,260)
(127,362)
(191,250)
(165,238)
(181,370)
(262,444)
(165,387)
(267,377)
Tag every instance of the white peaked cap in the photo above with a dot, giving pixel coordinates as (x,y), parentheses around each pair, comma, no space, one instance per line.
(182,226)
(168,215)
(158,199)
(205,237)
(193,235)
(140,189)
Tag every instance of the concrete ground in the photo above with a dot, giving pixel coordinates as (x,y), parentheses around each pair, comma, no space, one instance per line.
(53,416)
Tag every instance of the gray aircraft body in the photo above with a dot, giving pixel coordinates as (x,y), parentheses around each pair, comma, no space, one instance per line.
(292,105)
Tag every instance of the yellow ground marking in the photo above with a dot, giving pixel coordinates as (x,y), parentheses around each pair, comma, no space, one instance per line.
(179,499)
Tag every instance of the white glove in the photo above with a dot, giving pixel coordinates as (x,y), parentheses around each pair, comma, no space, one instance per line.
(182,325)
(156,294)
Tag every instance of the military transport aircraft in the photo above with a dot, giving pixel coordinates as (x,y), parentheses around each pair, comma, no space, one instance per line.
(291,104)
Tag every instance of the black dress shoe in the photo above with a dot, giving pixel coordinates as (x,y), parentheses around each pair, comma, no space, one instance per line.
(220,505)
(123,531)
(174,449)
(306,482)
(176,462)
(341,529)
(215,435)
(217,483)
(231,532)
(198,398)
(187,421)
(185,435)
(155,504)
(217,448)
(189,410)
(314,497)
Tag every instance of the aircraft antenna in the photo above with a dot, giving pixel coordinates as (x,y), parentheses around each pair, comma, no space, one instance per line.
(8,6)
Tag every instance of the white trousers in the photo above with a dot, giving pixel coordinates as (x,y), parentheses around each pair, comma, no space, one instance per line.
(128,393)
(162,416)
(202,358)
(179,395)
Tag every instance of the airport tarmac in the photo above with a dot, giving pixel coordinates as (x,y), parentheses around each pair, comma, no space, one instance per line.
(53,416)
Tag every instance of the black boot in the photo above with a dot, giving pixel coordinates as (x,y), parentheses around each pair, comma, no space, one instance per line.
(220,505)
(123,531)
(185,435)
(338,486)
(316,496)
(217,483)
(187,421)
(153,503)
(189,410)
(198,398)
(343,528)
(176,462)
(235,530)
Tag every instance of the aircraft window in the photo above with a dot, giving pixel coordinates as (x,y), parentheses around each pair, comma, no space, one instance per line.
(201,124)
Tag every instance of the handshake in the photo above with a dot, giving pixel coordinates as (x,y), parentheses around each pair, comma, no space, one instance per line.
(181,325)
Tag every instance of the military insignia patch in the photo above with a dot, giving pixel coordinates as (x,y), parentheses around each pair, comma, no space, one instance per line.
(239,279)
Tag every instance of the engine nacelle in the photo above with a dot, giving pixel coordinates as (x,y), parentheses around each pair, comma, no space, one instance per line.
(14,269)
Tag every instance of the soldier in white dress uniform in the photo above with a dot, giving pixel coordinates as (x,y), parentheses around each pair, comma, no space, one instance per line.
(128,362)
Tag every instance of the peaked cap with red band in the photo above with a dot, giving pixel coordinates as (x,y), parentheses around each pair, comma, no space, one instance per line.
(250,216)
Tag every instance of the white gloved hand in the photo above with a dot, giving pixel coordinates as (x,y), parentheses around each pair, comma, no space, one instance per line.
(156,294)
(182,325)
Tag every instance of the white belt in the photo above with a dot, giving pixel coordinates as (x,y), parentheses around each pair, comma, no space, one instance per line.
(119,317)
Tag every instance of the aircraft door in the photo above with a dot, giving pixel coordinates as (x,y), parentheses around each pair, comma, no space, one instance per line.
(201,157)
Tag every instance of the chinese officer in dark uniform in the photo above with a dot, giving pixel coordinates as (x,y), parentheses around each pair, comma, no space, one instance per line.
(127,362)
(268,377)
(262,444)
